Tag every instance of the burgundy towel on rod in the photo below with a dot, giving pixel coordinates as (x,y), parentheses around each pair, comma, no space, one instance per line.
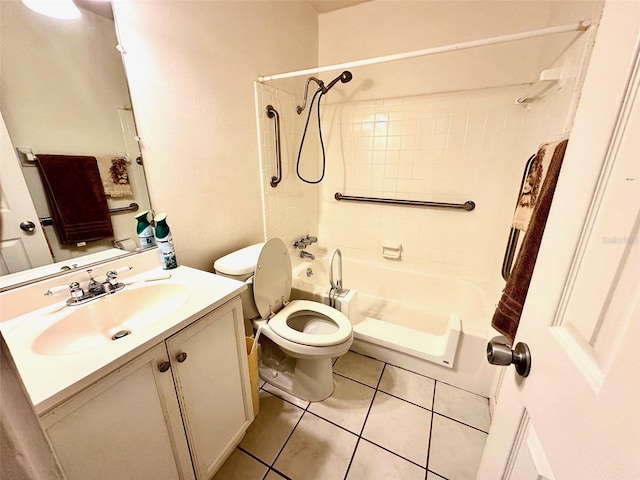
(507,315)
(78,204)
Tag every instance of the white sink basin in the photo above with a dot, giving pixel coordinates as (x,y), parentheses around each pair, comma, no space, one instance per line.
(95,323)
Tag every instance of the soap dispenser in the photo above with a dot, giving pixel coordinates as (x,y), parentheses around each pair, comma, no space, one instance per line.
(145,231)
(165,242)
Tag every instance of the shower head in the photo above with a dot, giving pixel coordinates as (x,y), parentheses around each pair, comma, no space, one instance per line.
(344,77)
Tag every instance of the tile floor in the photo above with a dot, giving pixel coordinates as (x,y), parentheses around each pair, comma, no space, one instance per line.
(382,422)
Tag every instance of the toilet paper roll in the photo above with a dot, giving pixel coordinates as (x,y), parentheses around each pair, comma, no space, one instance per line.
(126,244)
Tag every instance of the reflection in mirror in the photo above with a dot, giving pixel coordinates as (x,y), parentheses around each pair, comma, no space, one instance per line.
(63,91)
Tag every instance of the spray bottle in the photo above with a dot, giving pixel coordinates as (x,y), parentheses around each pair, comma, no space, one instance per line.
(165,242)
(145,232)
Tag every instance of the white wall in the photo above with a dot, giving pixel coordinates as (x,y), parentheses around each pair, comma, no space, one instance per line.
(191,68)
(383,27)
(62,82)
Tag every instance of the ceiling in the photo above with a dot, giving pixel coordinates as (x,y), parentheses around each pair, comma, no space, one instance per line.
(324,6)
(103,7)
(99,7)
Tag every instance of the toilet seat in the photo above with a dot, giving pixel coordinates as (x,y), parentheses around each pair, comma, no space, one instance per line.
(302,321)
(326,327)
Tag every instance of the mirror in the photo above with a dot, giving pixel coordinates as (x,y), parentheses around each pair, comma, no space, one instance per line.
(63,91)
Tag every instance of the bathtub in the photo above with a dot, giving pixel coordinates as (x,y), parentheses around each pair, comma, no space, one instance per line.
(429,324)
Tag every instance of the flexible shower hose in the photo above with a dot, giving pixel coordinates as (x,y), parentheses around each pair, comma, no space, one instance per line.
(304,133)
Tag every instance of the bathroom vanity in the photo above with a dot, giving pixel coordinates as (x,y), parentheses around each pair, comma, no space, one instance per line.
(170,400)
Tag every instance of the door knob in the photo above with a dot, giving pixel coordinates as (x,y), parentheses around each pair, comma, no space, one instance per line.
(500,353)
(164,366)
(27,226)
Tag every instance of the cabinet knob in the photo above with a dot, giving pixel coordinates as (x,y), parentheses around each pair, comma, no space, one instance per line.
(181,357)
(164,366)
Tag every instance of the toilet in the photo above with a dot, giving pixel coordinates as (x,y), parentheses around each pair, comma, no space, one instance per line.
(299,339)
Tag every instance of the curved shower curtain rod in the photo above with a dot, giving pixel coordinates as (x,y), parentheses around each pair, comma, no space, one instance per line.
(581,26)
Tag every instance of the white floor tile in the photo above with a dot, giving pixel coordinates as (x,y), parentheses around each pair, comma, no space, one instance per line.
(455,449)
(400,427)
(466,407)
(271,428)
(274,476)
(360,368)
(284,395)
(317,450)
(408,385)
(240,465)
(432,476)
(372,462)
(348,406)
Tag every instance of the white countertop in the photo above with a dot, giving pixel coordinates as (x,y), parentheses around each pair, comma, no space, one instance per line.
(51,379)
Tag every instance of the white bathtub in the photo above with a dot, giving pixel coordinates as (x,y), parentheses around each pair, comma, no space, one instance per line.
(429,324)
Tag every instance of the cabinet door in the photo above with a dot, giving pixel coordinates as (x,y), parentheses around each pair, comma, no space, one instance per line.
(209,366)
(127,426)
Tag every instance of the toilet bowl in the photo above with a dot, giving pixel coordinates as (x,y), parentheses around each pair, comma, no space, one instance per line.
(299,339)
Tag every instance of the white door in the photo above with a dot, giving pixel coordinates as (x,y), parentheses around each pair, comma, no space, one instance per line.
(19,250)
(576,415)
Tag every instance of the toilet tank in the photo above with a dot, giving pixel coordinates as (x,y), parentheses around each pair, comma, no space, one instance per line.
(240,265)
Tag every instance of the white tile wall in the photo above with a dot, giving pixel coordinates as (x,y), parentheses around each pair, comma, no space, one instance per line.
(291,209)
(449,147)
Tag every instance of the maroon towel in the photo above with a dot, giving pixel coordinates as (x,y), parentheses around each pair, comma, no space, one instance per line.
(509,309)
(78,204)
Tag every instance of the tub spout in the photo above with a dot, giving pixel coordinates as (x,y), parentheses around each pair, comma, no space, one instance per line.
(307,255)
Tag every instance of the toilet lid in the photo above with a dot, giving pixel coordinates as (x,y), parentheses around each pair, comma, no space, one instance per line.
(272,279)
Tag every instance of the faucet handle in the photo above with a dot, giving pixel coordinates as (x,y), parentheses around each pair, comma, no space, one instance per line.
(311,239)
(75,290)
(112,275)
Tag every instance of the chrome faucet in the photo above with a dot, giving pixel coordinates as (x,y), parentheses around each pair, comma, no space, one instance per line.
(307,255)
(94,288)
(304,242)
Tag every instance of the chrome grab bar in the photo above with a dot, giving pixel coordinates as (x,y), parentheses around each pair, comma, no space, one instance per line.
(271,113)
(337,285)
(468,205)
(512,243)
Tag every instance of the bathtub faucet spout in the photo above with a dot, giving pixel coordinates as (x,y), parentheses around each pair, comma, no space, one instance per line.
(307,255)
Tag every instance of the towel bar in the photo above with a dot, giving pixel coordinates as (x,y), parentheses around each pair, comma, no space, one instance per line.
(512,243)
(45,221)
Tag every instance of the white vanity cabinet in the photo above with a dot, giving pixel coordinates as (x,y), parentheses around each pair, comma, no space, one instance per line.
(174,412)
